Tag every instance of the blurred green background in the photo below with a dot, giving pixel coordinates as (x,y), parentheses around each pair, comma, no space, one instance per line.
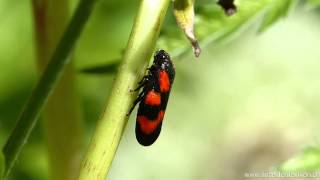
(248,104)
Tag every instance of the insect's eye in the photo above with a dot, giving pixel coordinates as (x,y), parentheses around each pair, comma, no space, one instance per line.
(161,55)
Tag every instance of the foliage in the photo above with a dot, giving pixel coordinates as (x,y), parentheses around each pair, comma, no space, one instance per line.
(211,25)
(307,160)
(314,3)
(45,86)
(2,165)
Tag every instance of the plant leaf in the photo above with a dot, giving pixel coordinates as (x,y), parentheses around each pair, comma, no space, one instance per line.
(109,68)
(2,165)
(212,24)
(51,75)
(276,10)
(307,160)
(314,3)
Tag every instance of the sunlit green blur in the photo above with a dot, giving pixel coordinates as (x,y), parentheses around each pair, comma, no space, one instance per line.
(247,105)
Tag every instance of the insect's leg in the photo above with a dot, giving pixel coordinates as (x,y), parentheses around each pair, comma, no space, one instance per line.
(139,98)
(142,83)
(144,78)
(139,87)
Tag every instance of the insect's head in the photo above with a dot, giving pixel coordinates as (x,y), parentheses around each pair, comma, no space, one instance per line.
(161,59)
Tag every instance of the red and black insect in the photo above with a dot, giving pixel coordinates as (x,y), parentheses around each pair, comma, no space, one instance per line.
(153,98)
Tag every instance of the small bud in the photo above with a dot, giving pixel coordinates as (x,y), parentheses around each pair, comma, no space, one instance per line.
(228,6)
(184,13)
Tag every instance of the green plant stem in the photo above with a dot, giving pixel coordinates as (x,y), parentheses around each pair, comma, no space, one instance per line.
(110,127)
(47,82)
(61,118)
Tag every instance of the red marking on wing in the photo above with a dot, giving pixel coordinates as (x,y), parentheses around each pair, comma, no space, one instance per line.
(148,126)
(164,81)
(152,98)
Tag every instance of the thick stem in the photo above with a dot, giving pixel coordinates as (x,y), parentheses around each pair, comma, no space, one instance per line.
(46,84)
(62,122)
(110,127)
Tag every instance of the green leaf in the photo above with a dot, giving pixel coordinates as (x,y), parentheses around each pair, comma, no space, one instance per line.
(307,160)
(314,3)
(51,75)
(211,24)
(2,165)
(109,68)
(276,10)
